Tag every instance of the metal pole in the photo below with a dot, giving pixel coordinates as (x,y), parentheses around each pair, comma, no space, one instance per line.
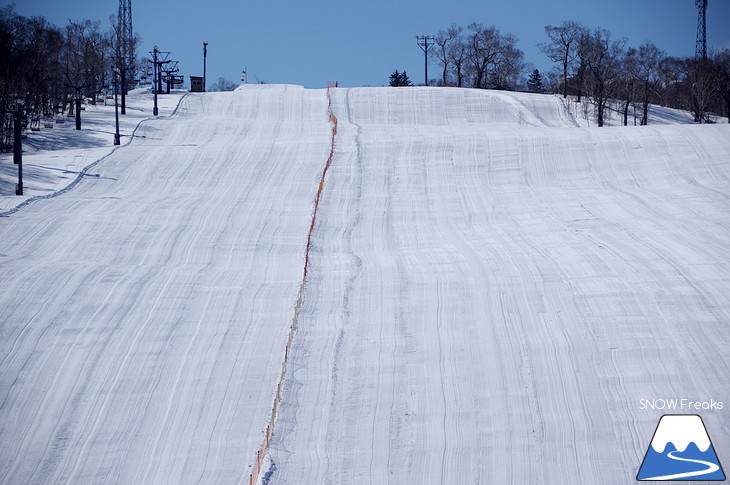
(124,97)
(78,109)
(425,67)
(155,111)
(159,79)
(116,108)
(18,147)
(205,56)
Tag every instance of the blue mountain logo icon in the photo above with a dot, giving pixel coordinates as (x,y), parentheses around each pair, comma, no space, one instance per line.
(681,450)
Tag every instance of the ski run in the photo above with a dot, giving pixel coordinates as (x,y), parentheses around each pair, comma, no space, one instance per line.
(492,288)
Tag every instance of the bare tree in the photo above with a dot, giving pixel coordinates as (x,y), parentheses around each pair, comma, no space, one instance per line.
(626,84)
(458,53)
(94,54)
(603,63)
(582,54)
(672,72)
(702,89)
(493,59)
(508,66)
(223,84)
(563,46)
(444,40)
(721,78)
(29,61)
(123,55)
(643,66)
(483,49)
(689,84)
(84,61)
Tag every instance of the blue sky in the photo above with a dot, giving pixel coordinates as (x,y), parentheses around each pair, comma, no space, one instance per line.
(359,43)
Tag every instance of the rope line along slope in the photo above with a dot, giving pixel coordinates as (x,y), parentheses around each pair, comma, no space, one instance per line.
(264,448)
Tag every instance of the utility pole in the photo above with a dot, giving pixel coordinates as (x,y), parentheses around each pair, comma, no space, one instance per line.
(205,55)
(425,42)
(154,78)
(18,145)
(116,106)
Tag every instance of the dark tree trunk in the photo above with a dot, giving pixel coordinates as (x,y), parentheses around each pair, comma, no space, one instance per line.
(645,105)
(78,113)
(645,112)
(601,102)
(579,87)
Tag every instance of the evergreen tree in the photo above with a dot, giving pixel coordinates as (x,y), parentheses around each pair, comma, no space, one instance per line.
(534,84)
(400,79)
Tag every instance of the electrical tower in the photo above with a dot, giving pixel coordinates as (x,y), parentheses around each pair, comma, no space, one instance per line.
(126,46)
(425,42)
(701,46)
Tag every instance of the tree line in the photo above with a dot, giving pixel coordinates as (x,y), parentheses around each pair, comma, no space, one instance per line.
(590,64)
(48,68)
(478,57)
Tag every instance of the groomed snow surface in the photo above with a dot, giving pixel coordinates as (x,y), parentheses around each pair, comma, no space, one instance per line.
(491,290)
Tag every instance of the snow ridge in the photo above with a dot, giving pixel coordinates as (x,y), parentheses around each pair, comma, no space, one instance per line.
(262,453)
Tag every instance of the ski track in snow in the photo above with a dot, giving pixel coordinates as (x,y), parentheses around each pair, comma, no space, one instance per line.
(493,290)
(711,468)
(490,292)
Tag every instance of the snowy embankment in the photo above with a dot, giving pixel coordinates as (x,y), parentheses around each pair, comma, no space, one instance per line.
(57,157)
(493,290)
(145,311)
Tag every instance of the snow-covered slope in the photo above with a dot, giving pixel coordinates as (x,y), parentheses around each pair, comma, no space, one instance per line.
(145,312)
(494,290)
(56,157)
(491,290)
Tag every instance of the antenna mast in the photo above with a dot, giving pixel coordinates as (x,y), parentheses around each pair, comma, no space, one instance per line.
(126,46)
(701,46)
